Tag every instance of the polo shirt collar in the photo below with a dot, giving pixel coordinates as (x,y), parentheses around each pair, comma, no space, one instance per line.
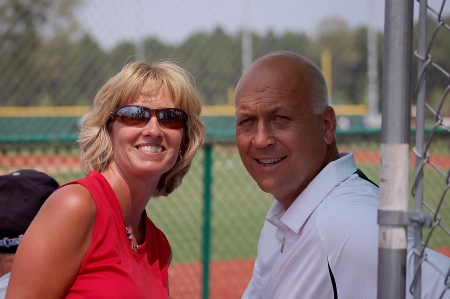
(305,204)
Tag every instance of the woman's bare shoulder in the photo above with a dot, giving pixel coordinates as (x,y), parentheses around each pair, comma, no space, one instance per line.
(63,228)
(71,199)
(68,213)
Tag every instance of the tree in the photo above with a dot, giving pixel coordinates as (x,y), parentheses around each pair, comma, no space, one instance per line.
(25,26)
(349,59)
(436,80)
(215,62)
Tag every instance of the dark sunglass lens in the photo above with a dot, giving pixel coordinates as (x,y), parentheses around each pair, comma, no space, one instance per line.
(172,118)
(132,115)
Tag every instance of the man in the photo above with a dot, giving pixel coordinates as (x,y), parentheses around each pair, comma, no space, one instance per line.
(320,238)
(22,194)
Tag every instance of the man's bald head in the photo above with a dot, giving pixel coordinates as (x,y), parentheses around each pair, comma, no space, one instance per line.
(296,70)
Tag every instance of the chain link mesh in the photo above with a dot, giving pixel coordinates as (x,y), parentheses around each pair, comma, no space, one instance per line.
(432,148)
(48,59)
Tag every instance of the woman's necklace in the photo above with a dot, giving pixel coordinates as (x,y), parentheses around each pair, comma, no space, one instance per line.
(133,246)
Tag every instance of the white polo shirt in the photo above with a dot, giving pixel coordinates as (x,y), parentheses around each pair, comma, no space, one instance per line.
(4,284)
(330,227)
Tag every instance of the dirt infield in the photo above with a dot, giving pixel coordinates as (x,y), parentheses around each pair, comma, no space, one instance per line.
(57,163)
(48,163)
(372,157)
(228,279)
(443,250)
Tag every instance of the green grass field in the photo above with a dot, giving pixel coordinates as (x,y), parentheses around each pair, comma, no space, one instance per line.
(239,207)
(433,189)
(238,210)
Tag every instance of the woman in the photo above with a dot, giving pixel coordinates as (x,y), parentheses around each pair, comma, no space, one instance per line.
(92,238)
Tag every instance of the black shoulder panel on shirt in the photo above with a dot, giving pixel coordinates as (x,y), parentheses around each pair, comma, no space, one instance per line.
(364,177)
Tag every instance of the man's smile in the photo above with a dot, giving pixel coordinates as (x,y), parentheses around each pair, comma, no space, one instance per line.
(270,161)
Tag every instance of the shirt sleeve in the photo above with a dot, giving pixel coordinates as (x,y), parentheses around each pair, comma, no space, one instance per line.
(434,272)
(253,290)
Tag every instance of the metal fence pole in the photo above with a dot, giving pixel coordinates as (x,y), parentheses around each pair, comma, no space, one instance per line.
(207,218)
(419,146)
(394,162)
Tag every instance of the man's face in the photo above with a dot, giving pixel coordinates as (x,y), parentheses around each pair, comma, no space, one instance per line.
(280,139)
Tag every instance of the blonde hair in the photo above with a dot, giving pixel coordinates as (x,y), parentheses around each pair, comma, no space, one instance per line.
(125,88)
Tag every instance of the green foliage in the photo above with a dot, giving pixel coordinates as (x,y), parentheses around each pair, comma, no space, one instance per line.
(438,44)
(46,61)
(29,32)
(214,61)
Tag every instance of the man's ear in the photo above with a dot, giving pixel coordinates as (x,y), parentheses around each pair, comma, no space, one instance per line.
(329,124)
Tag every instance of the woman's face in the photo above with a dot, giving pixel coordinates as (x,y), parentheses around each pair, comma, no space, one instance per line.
(150,150)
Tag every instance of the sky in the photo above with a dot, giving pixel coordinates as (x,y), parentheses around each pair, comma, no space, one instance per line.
(173,21)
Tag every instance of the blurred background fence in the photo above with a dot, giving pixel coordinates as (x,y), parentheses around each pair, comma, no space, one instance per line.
(432,24)
(55,55)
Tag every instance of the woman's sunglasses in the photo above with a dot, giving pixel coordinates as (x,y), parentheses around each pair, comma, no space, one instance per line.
(139,116)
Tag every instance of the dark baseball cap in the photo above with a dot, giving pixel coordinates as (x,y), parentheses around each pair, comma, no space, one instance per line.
(22,194)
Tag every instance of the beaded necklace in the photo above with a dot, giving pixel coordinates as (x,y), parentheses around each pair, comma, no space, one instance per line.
(133,246)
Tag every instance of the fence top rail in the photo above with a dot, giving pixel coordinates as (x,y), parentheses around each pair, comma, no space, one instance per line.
(212,136)
(78,111)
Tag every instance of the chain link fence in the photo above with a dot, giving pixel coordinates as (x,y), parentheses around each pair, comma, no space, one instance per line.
(52,65)
(58,53)
(432,113)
